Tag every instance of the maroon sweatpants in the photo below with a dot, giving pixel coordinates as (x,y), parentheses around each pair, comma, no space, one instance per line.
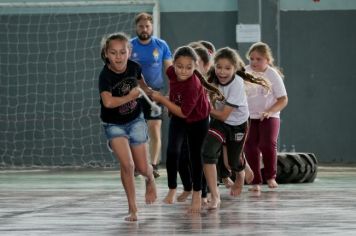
(262,139)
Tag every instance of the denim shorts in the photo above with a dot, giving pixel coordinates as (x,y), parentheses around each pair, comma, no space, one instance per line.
(135,131)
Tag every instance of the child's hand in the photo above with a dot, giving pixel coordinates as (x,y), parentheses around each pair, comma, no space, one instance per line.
(149,91)
(156,96)
(265,115)
(134,93)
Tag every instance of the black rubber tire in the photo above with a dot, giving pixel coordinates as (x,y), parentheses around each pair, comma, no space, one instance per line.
(296,167)
(287,171)
(314,168)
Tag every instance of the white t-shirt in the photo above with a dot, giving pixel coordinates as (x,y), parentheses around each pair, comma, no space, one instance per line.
(258,98)
(235,95)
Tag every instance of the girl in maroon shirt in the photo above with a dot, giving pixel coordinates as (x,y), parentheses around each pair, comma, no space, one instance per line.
(189,108)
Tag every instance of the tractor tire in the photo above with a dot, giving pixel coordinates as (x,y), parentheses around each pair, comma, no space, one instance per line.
(296,167)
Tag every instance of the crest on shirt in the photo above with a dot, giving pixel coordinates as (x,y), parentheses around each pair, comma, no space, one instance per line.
(155,54)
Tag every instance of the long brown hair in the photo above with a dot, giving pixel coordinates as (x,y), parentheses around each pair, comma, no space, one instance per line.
(188,51)
(213,92)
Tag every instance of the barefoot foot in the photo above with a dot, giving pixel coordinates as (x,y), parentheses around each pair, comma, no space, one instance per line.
(151,191)
(195,207)
(272,183)
(204,201)
(169,199)
(131,217)
(255,188)
(227,182)
(236,188)
(183,196)
(214,203)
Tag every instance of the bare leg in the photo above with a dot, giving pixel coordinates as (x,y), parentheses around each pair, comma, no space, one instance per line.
(122,152)
(237,187)
(211,179)
(227,181)
(145,169)
(248,173)
(169,199)
(226,159)
(154,129)
(196,202)
(183,196)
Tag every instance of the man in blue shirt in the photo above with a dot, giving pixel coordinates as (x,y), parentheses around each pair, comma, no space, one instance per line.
(154,55)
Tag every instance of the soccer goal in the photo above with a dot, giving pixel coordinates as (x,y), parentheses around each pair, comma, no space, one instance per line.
(49,67)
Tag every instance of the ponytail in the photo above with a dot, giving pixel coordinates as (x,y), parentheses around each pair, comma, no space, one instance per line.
(255,80)
(213,91)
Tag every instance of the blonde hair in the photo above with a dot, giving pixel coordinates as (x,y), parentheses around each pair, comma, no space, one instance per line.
(263,49)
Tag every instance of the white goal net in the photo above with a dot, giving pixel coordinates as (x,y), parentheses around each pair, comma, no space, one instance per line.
(49,67)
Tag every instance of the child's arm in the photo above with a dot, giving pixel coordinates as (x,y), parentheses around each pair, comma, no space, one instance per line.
(221,114)
(172,107)
(144,86)
(111,102)
(278,106)
(167,63)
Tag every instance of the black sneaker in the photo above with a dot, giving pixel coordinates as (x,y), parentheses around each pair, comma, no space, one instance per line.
(155,171)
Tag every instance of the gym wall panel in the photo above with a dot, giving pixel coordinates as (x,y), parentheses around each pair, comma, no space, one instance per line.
(317,57)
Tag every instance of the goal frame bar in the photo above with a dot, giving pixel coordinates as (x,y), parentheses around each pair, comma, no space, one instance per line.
(17,7)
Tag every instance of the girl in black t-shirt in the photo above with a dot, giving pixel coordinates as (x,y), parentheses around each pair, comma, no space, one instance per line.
(121,112)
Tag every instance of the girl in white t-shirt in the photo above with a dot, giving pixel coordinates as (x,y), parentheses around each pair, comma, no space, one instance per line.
(229,122)
(264,107)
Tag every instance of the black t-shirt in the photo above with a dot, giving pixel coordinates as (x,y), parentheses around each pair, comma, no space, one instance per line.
(120,85)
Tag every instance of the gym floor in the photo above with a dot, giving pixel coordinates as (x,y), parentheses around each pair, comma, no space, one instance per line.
(93,202)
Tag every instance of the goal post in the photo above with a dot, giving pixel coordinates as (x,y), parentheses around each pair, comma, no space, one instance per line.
(49,68)
(76,7)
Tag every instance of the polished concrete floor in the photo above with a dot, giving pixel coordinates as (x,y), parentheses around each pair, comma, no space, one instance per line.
(94,203)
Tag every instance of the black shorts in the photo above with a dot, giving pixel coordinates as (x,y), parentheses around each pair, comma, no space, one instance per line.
(147,110)
(221,134)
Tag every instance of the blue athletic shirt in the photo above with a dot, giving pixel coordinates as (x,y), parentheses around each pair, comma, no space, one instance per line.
(151,57)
